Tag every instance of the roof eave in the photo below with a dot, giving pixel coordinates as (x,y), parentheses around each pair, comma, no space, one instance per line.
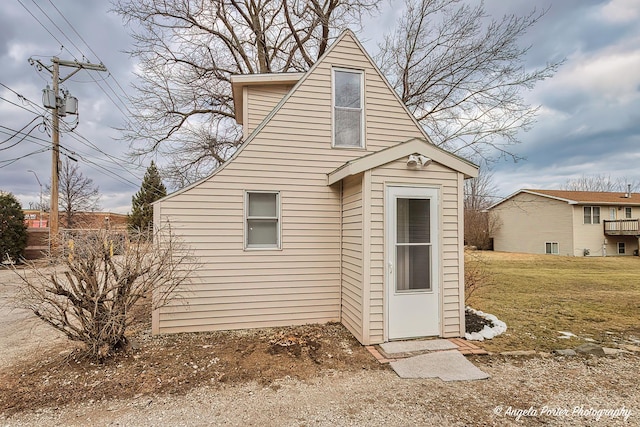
(390,154)
(240,81)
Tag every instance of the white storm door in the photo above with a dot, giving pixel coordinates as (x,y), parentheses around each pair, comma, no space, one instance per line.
(413,304)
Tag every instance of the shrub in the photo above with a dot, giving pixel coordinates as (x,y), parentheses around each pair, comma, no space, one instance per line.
(13,230)
(90,297)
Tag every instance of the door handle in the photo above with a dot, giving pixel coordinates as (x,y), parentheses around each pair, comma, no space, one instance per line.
(390,267)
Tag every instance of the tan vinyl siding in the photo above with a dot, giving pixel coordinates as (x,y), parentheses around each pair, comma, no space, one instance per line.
(260,101)
(437,176)
(351,310)
(291,154)
(528,221)
(630,242)
(589,236)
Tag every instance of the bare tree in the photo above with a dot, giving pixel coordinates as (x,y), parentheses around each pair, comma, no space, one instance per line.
(601,182)
(187,51)
(480,192)
(90,297)
(76,192)
(462,74)
(477,273)
(479,225)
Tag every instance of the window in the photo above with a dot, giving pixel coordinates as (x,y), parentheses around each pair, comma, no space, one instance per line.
(551,248)
(627,213)
(592,215)
(621,248)
(262,224)
(347,109)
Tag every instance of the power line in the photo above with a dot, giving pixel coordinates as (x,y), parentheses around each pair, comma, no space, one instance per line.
(29,138)
(44,26)
(34,139)
(22,97)
(99,59)
(61,32)
(19,106)
(18,132)
(21,139)
(12,161)
(79,50)
(74,30)
(116,160)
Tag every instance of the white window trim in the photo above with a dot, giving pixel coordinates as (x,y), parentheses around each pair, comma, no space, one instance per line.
(363,143)
(552,243)
(624,248)
(245,218)
(628,215)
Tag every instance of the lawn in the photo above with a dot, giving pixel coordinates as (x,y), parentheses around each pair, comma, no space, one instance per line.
(540,295)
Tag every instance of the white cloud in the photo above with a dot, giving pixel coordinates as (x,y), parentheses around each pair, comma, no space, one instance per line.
(608,75)
(621,11)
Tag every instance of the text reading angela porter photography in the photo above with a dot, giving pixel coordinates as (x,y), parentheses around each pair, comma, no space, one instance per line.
(580,411)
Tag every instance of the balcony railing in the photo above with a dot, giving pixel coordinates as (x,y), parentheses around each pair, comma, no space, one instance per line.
(622,227)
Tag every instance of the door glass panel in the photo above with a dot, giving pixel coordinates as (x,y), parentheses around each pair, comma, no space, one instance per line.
(413,244)
(412,268)
(413,218)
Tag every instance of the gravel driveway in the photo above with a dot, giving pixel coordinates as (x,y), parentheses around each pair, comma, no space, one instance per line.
(535,391)
(21,333)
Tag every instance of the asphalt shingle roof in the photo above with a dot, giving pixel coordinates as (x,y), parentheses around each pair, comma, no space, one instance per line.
(587,197)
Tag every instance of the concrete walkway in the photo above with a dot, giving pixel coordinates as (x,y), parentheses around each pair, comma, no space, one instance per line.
(438,358)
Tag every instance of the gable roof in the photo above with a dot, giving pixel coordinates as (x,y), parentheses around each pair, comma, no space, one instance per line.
(412,146)
(581,197)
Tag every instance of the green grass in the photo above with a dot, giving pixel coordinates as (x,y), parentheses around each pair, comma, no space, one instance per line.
(539,295)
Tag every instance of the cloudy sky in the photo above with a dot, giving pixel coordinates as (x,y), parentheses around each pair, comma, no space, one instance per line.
(589,122)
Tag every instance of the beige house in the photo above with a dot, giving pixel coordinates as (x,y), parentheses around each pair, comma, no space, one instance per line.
(577,223)
(335,208)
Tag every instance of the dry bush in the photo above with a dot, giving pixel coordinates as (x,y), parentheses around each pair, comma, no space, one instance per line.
(90,292)
(479,227)
(476,273)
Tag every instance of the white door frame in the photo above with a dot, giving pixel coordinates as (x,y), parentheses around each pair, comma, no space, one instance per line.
(431,297)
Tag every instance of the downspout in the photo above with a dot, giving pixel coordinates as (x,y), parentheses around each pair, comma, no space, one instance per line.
(341,252)
(365,188)
(461,282)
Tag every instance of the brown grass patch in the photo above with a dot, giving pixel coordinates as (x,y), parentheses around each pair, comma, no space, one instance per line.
(539,295)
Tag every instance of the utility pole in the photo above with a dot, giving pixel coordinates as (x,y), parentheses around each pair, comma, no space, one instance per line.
(55,158)
(60,108)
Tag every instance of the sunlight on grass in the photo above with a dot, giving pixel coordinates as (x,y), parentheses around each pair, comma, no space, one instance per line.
(539,295)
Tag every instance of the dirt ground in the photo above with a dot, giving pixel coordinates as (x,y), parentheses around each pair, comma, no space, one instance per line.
(39,368)
(306,375)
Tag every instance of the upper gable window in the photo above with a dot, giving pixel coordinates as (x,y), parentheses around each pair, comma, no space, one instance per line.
(348,119)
